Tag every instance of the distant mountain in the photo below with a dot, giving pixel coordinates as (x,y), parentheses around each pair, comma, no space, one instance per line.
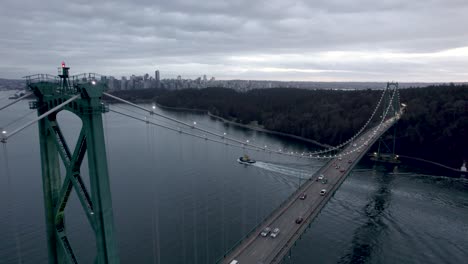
(10,84)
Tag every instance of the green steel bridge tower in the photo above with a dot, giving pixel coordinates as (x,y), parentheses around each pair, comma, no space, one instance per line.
(80,95)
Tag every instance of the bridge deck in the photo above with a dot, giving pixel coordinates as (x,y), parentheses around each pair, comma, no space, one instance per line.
(257,249)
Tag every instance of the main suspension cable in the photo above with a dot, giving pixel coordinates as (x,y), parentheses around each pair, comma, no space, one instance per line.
(6,135)
(247,145)
(15,101)
(223,136)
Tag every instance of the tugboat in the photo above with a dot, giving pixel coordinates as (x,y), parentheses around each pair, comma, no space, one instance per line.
(245,160)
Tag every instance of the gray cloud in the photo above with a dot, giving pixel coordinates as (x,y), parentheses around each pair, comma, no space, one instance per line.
(274,39)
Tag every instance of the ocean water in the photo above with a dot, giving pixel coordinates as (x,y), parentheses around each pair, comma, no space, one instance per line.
(179,199)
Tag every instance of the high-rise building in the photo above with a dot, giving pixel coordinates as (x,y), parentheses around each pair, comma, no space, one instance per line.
(123,83)
(157,79)
(156,75)
(111,83)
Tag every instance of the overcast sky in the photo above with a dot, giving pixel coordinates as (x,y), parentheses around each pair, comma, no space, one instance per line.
(315,40)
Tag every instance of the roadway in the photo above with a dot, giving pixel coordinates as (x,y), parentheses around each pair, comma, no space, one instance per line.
(257,249)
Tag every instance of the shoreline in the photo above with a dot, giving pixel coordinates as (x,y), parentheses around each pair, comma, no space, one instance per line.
(242,125)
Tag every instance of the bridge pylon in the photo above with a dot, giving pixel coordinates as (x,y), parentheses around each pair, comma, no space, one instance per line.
(391,103)
(51,91)
(394,102)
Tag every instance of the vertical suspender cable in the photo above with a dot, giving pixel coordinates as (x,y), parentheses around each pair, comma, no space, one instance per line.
(195,211)
(154,212)
(156,200)
(256,198)
(223,213)
(223,218)
(243,213)
(148,145)
(183,210)
(206,202)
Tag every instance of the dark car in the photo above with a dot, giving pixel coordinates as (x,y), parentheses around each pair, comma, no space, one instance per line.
(299,220)
(303,196)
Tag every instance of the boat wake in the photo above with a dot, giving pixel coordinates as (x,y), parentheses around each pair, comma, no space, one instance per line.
(288,171)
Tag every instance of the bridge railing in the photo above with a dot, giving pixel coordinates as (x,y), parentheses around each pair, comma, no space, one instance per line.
(87,78)
(35,78)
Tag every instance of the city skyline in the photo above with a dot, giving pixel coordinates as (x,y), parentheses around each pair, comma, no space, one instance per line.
(417,41)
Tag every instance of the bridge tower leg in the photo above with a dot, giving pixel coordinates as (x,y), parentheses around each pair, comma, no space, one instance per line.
(97,205)
(51,184)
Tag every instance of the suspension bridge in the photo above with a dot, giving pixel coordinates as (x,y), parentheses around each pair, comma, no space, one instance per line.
(83,95)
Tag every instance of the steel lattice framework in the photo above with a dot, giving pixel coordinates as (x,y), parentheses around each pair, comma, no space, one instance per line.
(50,92)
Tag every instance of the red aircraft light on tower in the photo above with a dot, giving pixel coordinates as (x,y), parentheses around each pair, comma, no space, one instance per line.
(63,64)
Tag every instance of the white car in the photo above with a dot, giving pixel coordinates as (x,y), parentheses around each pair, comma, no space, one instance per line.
(275,232)
(320,177)
(265,232)
(323,191)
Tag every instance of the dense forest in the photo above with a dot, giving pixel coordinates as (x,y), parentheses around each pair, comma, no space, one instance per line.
(434,126)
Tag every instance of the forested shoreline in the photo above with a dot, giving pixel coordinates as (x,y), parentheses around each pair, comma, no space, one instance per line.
(434,126)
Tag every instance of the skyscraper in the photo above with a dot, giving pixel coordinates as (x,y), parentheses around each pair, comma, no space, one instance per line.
(157,79)
(156,75)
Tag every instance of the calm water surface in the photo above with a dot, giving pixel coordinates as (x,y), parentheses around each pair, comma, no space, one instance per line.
(179,199)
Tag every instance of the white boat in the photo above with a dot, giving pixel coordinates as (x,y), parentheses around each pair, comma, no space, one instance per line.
(245,160)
